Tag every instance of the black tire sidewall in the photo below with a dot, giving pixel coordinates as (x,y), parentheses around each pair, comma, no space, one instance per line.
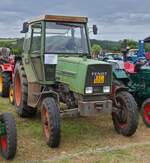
(146,102)
(6,81)
(10,126)
(132,122)
(54,121)
(22,109)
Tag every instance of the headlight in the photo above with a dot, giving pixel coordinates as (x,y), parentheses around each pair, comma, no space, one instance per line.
(106,89)
(88,90)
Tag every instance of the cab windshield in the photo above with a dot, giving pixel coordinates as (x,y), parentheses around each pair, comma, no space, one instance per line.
(63,38)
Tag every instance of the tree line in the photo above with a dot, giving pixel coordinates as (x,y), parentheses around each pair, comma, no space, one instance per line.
(16,45)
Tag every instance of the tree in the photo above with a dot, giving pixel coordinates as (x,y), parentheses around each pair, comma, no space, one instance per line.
(96,49)
(127,42)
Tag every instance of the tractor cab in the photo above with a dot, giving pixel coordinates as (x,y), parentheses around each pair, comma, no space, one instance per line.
(49,37)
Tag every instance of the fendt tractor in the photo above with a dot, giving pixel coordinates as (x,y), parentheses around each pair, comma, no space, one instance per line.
(56,66)
(139,84)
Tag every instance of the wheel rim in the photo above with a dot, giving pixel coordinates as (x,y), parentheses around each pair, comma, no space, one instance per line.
(18,90)
(11,96)
(122,115)
(147,113)
(4,143)
(45,122)
(1,83)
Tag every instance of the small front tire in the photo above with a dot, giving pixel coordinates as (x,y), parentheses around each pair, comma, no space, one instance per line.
(50,122)
(125,119)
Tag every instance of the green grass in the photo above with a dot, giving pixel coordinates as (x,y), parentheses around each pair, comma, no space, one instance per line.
(78,135)
(136,154)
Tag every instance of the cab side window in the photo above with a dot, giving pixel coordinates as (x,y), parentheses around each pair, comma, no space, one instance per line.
(36,38)
(27,41)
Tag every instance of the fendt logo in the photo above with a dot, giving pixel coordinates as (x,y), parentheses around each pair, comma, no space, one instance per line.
(99,77)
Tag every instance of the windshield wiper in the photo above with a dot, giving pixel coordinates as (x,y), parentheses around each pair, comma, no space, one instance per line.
(69,25)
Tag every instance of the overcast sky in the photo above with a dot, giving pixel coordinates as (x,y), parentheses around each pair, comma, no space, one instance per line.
(116,19)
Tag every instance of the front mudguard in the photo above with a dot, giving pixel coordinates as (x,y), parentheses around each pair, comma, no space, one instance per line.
(45,94)
(117,90)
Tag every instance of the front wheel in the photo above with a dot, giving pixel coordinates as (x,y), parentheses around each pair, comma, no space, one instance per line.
(50,122)
(145,112)
(125,119)
(8,136)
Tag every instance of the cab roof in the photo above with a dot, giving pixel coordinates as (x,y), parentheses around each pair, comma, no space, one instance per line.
(60,18)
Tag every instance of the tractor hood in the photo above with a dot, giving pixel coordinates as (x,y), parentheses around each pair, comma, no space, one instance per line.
(79,73)
(81,60)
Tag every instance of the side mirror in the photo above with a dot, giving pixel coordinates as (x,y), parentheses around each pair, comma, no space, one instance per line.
(25,27)
(95,30)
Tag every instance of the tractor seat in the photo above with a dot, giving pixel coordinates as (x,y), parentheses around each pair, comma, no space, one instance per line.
(129,67)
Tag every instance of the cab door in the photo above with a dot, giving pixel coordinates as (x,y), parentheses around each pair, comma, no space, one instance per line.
(36,50)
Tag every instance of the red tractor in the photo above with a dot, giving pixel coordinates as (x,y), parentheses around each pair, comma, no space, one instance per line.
(7,63)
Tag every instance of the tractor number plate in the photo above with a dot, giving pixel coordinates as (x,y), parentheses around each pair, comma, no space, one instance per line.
(99,79)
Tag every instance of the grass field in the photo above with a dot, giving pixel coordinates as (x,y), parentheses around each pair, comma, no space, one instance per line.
(83,140)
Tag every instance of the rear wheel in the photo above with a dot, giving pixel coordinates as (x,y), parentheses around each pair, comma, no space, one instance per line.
(8,137)
(5,80)
(11,94)
(51,122)
(21,92)
(145,112)
(125,119)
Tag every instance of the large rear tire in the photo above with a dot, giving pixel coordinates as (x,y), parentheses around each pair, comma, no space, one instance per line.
(21,92)
(51,122)
(5,81)
(8,141)
(145,112)
(125,119)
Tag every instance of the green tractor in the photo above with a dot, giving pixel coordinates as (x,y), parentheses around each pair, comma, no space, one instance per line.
(140,86)
(122,94)
(56,66)
(136,79)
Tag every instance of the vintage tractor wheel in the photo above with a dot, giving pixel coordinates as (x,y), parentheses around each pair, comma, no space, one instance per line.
(21,92)
(8,137)
(51,122)
(145,112)
(125,119)
(5,80)
(11,94)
